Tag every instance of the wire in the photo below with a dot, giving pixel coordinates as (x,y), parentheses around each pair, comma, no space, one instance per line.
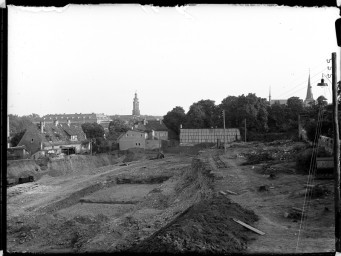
(310,176)
(300,84)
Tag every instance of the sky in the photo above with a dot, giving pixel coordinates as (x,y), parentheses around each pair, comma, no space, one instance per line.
(93,58)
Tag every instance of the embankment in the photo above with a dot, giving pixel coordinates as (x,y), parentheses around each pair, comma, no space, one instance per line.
(22,168)
(80,164)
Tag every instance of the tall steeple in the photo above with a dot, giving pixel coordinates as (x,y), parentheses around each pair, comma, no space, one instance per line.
(136,109)
(309,97)
(270,94)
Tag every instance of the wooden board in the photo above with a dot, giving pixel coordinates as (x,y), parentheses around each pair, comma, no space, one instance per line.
(249,227)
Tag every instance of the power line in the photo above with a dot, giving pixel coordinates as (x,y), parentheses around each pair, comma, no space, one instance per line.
(300,84)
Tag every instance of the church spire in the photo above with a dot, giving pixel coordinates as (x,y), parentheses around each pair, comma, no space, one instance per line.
(309,97)
(270,94)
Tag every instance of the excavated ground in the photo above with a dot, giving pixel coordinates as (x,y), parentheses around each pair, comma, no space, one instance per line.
(181,203)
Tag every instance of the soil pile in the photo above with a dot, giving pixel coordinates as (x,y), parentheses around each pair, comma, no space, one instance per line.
(205,227)
(22,168)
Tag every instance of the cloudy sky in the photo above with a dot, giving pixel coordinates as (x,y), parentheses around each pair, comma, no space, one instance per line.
(84,59)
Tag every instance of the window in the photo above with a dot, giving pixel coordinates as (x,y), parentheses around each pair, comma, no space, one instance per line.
(73,137)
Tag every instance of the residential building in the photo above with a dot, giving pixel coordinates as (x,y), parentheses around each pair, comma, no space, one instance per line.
(55,138)
(146,134)
(155,129)
(76,119)
(132,139)
(19,152)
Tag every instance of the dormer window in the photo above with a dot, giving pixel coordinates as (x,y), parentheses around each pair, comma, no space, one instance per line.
(73,137)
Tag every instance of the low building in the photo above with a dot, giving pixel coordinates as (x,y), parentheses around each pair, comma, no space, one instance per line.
(144,136)
(190,137)
(132,139)
(19,152)
(55,138)
(280,102)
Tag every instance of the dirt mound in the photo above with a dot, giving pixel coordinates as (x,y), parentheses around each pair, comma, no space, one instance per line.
(23,168)
(205,227)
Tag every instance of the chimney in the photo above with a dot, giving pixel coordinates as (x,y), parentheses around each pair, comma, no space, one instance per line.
(160,121)
(180,126)
(42,124)
(55,122)
(68,122)
(144,121)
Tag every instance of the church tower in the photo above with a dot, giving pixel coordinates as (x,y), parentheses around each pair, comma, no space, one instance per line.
(136,109)
(309,99)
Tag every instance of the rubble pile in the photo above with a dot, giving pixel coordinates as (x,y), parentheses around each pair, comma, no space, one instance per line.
(274,151)
(203,228)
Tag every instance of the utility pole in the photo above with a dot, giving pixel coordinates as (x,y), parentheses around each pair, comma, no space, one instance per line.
(224,132)
(336,158)
(299,127)
(245,129)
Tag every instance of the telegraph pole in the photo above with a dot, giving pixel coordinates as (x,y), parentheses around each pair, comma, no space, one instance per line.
(224,132)
(336,158)
(245,129)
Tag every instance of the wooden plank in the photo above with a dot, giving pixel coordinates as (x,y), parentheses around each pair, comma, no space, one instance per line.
(230,192)
(249,227)
(297,209)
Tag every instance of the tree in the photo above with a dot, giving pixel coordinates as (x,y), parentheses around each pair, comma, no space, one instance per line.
(203,114)
(249,107)
(195,117)
(116,127)
(93,130)
(174,118)
(277,119)
(18,124)
(17,137)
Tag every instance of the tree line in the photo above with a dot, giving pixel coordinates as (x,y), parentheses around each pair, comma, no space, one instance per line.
(260,116)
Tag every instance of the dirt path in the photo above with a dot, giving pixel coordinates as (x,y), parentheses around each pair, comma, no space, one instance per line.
(281,233)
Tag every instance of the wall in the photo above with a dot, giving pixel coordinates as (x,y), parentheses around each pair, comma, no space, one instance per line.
(132,139)
(196,136)
(153,144)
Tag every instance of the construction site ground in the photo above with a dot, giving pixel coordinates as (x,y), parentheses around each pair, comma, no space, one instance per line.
(184,202)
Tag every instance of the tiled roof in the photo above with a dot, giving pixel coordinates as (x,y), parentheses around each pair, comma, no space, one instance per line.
(61,133)
(155,125)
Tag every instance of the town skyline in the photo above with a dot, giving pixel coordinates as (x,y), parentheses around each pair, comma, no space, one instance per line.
(170,56)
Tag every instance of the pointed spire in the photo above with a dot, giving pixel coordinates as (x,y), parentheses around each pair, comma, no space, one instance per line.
(270,94)
(309,92)
(309,97)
